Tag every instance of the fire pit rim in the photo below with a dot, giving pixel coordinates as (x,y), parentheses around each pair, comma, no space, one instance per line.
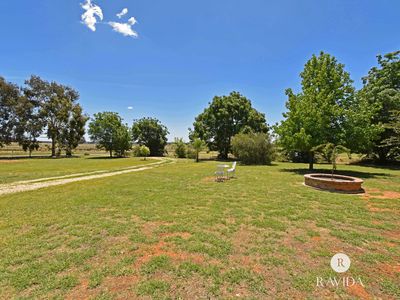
(337,178)
(340,183)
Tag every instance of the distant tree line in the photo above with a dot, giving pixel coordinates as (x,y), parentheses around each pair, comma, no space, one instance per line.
(41,107)
(328,113)
(109,132)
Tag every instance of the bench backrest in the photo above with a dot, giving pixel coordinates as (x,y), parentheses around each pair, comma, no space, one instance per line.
(234,165)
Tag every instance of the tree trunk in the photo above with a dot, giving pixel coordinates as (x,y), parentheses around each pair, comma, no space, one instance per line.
(382,156)
(311,161)
(110,152)
(30,153)
(197,156)
(53,146)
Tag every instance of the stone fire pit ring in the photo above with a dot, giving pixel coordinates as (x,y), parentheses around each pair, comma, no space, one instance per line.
(335,183)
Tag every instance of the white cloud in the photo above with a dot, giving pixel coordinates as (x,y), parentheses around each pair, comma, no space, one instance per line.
(124,28)
(89,16)
(130,107)
(122,13)
(132,21)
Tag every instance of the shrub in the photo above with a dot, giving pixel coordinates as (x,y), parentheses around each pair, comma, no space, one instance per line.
(253,148)
(180,148)
(144,151)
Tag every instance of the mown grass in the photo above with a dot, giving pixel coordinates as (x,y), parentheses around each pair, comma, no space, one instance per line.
(172,232)
(26,169)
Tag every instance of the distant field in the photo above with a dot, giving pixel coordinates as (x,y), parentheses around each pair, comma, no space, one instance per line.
(25,169)
(14,150)
(174,233)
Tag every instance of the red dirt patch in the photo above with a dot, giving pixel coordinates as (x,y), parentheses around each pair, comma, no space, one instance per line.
(163,248)
(378,194)
(359,291)
(316,239)
(392,234)
(148,228)
(121,283)
(81,292)
(389,269)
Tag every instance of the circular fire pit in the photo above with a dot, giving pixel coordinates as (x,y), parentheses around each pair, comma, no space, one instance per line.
(335,183)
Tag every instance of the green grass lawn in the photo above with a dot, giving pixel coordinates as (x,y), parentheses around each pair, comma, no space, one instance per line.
(172,232)
(26,169)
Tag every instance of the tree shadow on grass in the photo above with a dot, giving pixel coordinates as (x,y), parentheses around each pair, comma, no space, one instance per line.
(107,157)
(358,174)
(392,165)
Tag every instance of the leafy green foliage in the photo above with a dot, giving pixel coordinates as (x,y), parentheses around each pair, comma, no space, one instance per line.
(30,125)
(322,111)
(109,133)
(26,112)
(72,134)
(393,142)
(225,117)
(253,148)
(151,133)
(9,96)
(331,151)
(144,151)
(60,112)
(382,91)
(180,148)
(198,145)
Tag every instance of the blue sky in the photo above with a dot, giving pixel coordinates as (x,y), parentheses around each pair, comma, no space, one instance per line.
(188,51)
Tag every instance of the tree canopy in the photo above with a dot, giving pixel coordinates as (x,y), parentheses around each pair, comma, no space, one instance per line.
(225,117)
(25,112)
(151,133)
(59,111)
(381,91)
(325,111)
(108,132)
(9,97)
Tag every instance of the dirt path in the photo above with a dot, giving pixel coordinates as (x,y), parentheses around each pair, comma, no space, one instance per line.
(40,183)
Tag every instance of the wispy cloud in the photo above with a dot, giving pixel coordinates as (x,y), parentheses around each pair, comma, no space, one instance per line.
(130,107)
(125,28)
(94,12)
(122,13)
(89,16)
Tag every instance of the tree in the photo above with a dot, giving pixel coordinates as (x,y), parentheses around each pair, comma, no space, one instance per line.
(122,140)
(198,146)
(382,90)
(253,148)
(74,129)
(144,151)
(393,142)
(225,117)
(9,97)
(333,151)
(108,132)
(57,102)
(30,125)
(151,133)
(180,148)
(318,114)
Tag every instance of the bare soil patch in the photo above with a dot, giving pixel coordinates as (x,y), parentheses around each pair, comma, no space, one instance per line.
(147,252)
(359,291)
(379,194)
